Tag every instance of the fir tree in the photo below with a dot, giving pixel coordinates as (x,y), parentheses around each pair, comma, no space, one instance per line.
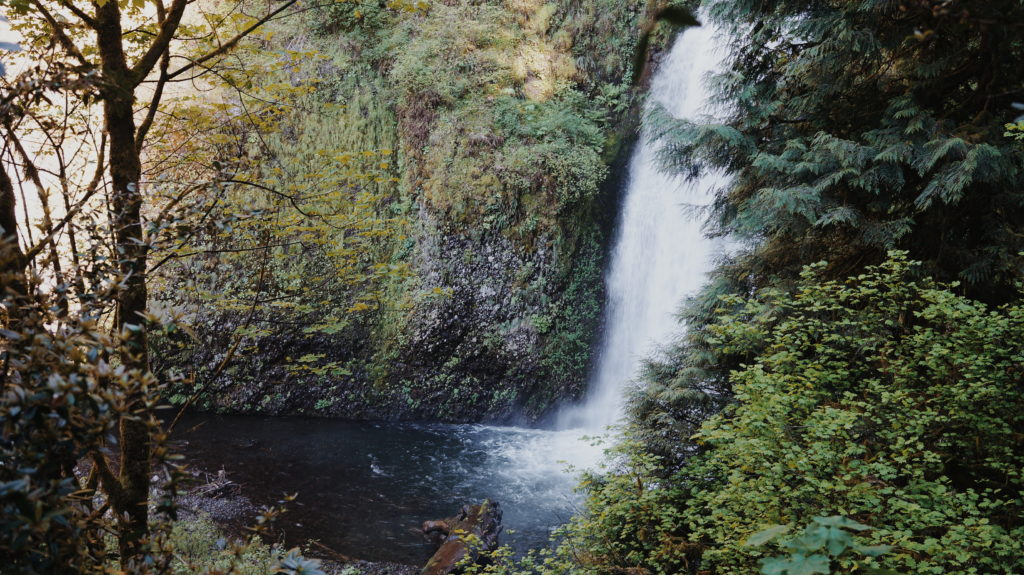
(854,128)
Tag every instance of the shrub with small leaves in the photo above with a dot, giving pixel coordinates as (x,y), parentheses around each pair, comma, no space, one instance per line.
(884,398)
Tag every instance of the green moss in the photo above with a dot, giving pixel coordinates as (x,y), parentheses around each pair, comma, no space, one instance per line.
(574,320)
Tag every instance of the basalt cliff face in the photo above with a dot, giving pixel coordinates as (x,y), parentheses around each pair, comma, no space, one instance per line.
(494,129)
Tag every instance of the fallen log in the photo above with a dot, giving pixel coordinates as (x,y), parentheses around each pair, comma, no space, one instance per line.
(462,538)
(217,488)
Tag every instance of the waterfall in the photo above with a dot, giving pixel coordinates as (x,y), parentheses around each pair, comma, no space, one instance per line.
(660,254)
(659,257)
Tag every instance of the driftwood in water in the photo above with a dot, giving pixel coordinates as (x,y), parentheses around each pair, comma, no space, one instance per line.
(217,488)
(462,538)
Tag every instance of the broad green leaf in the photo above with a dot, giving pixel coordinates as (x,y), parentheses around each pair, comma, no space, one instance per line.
(841,521)
(762,537)
(873,550)
(812,539)
(797,564)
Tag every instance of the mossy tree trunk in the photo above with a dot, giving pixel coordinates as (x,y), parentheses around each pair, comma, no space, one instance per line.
(130,494)
(12,266)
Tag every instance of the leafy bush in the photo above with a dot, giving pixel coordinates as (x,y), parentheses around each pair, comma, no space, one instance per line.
(884,398)
(817,548)
(892,401)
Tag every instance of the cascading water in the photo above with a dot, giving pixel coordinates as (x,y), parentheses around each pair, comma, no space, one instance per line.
(660,255)
(373,484)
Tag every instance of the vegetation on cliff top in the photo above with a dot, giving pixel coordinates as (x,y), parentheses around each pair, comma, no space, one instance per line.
(467,210)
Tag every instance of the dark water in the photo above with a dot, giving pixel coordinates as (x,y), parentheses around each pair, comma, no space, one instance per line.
(365,488)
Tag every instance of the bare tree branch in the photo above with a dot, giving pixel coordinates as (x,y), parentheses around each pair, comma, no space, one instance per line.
(161,44)
(224,48)
(79,13)
(154,103)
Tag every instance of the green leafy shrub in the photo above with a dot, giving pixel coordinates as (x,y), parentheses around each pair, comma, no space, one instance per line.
(884,398)
(817,548)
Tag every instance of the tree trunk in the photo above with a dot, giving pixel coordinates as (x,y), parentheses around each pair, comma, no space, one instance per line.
(12,265)
(126,174)
(11,256)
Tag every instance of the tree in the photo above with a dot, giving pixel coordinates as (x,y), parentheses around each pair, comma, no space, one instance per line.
(852,128)
(111,55)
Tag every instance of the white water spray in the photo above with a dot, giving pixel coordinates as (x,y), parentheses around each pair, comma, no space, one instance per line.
(660,254)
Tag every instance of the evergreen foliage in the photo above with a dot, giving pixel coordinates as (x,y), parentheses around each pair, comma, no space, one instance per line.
(851,128)
(856,127)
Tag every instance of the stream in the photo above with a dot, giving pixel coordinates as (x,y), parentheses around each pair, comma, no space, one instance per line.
(364,488)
